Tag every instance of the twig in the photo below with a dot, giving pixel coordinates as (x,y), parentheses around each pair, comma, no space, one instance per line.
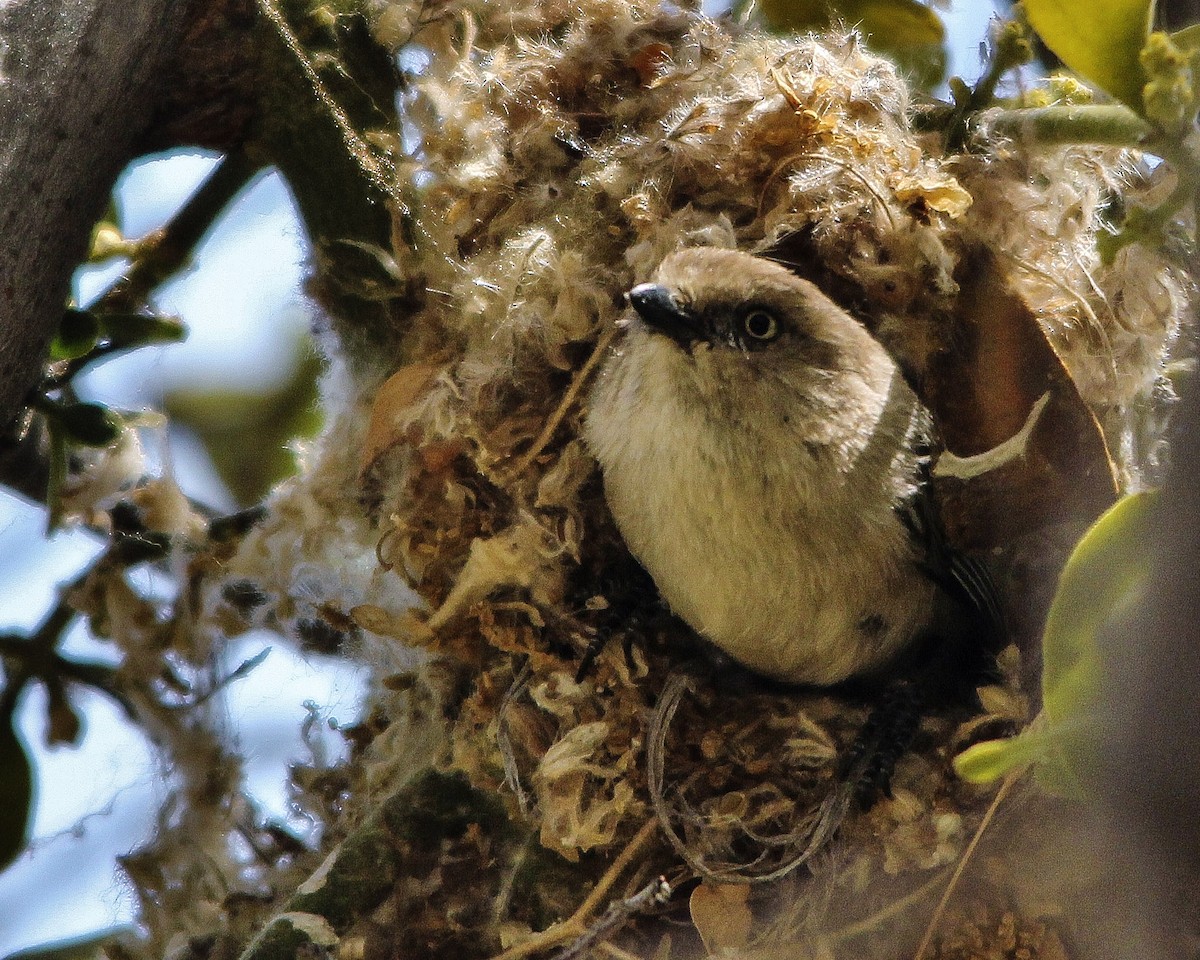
(576,925)
(1108,123)
(512,775)
(940,910)
(632,850)
(165,252)
(37,654)
(572,393)
(657,891)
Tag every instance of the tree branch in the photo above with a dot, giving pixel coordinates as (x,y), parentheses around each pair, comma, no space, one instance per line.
(80,88)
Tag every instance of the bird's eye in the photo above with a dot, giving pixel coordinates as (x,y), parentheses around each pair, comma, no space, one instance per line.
(760,325)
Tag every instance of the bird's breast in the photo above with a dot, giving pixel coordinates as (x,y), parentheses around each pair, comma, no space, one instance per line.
(764,546)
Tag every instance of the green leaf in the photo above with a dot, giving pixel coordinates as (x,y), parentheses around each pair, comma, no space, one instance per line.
(1100,582)
(137,329)
(16,793)
(992,759)
(57,474)
(107,242)
(230,422)
(91,424)
(1102,578)
(1188,38)
(906,30)
(1053,751)
(898,22)
(77,332)
(1099,39)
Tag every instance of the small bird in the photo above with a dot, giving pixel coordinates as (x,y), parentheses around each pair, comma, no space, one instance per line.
(765,460)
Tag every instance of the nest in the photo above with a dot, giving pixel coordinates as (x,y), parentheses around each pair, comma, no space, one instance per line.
(452,524)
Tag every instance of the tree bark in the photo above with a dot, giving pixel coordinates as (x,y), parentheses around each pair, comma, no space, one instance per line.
(79,89)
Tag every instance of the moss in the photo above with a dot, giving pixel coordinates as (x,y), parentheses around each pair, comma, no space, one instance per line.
(441,806)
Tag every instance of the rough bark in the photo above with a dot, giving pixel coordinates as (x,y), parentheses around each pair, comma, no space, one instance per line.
(80,89)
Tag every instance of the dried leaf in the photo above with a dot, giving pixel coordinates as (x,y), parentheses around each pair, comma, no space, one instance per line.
(406,627)
(522,556)
(982,393)
(721,914)
(399,392)
(944,194)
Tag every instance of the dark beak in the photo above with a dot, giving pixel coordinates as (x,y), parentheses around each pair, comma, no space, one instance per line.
(658,308)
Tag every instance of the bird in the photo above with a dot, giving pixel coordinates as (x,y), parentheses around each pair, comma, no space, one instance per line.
(766,462)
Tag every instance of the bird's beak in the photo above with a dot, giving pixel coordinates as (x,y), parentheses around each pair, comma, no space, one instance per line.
(655,305)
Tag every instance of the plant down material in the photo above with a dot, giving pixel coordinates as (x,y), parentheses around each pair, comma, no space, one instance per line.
(449,525)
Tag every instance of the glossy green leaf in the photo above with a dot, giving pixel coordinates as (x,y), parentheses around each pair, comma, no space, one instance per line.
(899,22)
(906,30)
(91,424)
(1099,39)
(16,793)
(1100,582)
(77,333)
(137,329)
(1103,576)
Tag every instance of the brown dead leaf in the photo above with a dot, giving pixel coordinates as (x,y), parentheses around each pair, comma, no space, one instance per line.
(407,627)
(399,392)
(982,392)
(649,62)
(721,914)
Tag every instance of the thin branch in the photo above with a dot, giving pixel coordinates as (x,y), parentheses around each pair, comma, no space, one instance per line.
(631,852)
(164,253)
(512,774)
(37,654)
(355,145)
(619,913)
(576,926)
(1109,124)
(568,399)
(956,877)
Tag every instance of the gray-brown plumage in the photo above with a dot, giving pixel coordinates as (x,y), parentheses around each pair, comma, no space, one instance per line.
(758,446)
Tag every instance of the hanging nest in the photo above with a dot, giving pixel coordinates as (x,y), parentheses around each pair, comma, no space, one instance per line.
(449,527)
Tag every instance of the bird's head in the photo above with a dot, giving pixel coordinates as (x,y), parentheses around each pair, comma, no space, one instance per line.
(733,314)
